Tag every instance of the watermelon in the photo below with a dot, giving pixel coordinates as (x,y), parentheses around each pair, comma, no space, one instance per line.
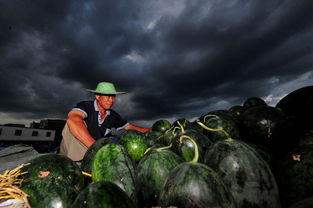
(167,137)
(112,163)
(236,110)
(305,203)
(269,127)
(103,194)
(297,105)
(219,127)
(225,114)
(153,137)
(194,126)
(306,139)
(177,127)
(295,176)
(91,152)
(181,123)
(263,152)
(193,184)
(184,124)
(52,181)
(161,125)
(253,102)
(135,143)
(185,149)
(152,171)
(245,173)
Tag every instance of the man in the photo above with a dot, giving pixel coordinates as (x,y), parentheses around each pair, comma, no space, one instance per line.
(91,120)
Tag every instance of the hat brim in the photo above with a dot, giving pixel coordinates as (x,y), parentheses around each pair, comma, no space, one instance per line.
(106,93)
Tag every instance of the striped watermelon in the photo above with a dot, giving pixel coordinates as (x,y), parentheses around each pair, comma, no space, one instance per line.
(103,194)
(245,173)
(112,163)
(193,184)
(152,171)
(52,181)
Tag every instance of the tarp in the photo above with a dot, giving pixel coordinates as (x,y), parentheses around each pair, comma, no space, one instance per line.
(13,156)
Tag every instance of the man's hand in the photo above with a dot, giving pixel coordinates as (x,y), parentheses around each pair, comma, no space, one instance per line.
(138,128)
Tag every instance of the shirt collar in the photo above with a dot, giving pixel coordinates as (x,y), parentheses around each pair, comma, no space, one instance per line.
(97,109)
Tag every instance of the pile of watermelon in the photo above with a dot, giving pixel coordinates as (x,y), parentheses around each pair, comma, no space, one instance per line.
(249,156)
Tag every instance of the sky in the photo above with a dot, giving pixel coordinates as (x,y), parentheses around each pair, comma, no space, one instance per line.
(174,58)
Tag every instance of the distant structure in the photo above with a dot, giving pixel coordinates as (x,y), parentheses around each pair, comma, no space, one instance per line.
(51,124)
(44,136)
(12,133)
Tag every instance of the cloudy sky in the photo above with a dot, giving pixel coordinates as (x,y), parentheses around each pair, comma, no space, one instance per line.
(175,58)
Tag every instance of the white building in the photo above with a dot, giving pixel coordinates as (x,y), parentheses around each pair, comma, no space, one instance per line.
(12,133)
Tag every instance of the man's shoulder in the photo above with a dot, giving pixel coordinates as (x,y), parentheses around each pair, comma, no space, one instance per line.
(85,104)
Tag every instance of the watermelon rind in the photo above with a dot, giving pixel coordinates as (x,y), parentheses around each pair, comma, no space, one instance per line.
(295,175)
(185,149)
(135,143)
(161,125)
(152,171)
(195,185)
(304,203)
(103,195)
(86,162)
(112,163)
(52,181)
(245,173)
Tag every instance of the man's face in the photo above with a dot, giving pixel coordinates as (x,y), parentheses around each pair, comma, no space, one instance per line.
(105,101)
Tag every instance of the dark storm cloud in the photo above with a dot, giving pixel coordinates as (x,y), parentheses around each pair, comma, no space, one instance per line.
(49,49)
(175,58)
(246,43)
(239,48)
(31,56)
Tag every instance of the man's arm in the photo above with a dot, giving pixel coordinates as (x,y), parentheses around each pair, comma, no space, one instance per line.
(138,128)
(78,128)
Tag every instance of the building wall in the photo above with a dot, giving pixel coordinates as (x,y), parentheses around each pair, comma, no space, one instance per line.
(9,133)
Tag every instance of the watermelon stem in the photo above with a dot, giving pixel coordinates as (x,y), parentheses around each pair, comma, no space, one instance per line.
(147,150)
(169,130)
(209,115)
(173,128)
(164,148)
(196,155)
(173,132)
(210,129)
(181,127)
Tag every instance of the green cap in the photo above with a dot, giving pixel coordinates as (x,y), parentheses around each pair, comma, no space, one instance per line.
(105,88)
